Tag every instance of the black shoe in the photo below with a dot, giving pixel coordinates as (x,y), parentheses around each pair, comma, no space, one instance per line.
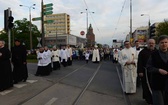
(2,90)
(15,82)
(36,74)
(24,80)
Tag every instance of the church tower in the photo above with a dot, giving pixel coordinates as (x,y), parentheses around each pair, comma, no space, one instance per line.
(90,36)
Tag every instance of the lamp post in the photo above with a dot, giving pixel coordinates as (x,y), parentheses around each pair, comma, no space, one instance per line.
(30,7)
(131,36)
(148,24)
(87,18)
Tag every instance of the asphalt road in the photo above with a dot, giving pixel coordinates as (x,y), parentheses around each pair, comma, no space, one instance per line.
(79,84)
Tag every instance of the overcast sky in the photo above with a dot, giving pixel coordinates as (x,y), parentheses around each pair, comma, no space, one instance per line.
(108,21)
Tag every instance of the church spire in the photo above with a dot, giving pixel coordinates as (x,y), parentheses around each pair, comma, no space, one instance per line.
(90,26)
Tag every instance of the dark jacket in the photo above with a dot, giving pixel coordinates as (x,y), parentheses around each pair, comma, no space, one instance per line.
(158,80)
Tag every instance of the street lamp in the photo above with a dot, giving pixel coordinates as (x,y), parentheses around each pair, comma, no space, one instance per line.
(30,7)
(148,23)
(87,19)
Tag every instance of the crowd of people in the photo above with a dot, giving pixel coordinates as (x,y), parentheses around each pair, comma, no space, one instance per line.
(147,66)
(52,59)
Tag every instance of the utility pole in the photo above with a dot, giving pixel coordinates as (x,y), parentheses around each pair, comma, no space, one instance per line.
(9,32)
(131,21)
(42,23)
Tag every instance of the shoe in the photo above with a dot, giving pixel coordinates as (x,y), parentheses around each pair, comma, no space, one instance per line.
(24,80)
(2,90)
(15,82)
(36,74)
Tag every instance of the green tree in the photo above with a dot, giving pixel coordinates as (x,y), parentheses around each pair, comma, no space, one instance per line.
(162,28)
(99,45)
(21,31)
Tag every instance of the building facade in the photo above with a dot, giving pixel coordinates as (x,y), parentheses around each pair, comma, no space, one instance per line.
(60,24)
(65,39)
(141,34)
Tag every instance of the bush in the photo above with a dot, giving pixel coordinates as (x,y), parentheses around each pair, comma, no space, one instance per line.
(30,56)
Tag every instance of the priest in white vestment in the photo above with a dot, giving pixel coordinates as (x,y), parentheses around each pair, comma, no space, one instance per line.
(128,61)
(96,55)
(138,49)
(48,54)
(69,50)
(42,68)
(55,58)
(64,56)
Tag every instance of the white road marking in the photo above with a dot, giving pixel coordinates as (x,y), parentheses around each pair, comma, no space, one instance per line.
(31,81)
(120,78)
(5,92)
(51,101)
(19,85)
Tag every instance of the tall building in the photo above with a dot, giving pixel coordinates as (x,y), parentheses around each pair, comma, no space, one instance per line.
(60,24)
(90,36)
(57,31)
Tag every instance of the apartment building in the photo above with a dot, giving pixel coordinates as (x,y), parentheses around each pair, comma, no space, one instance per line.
(60,24)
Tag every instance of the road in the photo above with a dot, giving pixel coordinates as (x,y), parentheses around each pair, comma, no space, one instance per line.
(79,84)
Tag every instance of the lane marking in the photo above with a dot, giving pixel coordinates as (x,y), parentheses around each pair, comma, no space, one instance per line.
(5,92)
(51,101)
(120,79)
(19,85)
(31,81)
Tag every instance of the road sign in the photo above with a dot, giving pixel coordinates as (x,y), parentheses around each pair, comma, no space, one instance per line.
(39,45)
(82,32)
(39,39)
(48,5)
(48,9)
(36,19)
(48,12)
(49,21)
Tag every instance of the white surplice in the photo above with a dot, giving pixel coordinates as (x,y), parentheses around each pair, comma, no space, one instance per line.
(69,50)
(42,59)
(64,55)
(55,55)
(129,71)
(48,55)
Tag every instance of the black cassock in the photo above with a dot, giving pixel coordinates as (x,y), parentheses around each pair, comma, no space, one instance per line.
(19,55)
(6,80)
(142,61)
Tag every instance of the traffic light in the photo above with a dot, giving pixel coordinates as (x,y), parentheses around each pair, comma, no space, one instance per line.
(10,22)
(152,30)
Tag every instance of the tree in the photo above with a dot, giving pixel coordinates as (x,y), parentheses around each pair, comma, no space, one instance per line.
(162,28)
(99,45)
(21,31)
